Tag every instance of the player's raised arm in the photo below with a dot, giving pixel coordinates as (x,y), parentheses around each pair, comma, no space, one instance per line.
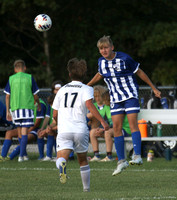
(146,79)
(96,114)
(95,79)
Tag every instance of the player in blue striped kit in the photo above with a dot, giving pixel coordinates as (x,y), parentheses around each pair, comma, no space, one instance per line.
(118,70)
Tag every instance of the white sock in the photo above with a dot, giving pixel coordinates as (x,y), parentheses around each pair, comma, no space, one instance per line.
(58,162)
(85,176)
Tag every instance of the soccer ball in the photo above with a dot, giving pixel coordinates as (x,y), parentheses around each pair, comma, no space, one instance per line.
(42,22)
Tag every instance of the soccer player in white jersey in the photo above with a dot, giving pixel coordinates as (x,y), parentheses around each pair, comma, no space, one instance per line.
(118,70)
(70,108)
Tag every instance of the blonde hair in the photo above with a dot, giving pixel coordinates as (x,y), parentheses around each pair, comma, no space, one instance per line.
(99,88)
(105,40)
(106,97)
(19,64)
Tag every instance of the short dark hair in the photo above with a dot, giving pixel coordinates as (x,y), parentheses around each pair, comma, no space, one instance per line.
(77,69)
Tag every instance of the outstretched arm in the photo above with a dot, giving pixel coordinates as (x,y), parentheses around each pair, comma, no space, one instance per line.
(146,79)
(95,79)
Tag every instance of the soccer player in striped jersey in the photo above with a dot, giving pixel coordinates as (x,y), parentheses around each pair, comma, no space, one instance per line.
(118,70)
(21,91)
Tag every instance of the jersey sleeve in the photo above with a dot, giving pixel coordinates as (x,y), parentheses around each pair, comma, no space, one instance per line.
(99,67)
(35,88)
(48,111)
(55,105)
(7,88)
(88,93)
(41,114)
(133,65)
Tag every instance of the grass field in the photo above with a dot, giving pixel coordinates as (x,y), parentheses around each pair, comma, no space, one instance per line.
(39,180)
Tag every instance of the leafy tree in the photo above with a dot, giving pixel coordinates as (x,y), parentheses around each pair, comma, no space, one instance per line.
(144,29)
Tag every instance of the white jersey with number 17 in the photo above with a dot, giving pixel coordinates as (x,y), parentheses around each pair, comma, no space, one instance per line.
(70,103)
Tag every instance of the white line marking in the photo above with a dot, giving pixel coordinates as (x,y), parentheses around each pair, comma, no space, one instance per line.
(92,169)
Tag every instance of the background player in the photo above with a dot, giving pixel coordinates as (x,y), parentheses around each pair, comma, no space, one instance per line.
(21,90)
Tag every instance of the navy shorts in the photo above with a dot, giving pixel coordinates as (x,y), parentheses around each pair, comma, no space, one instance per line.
(125,107)
(24,122)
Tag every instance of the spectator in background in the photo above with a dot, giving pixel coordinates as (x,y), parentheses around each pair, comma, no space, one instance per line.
(50,134)
(32,135)
(104,111)
(51,141)
(4,123)
(21,91)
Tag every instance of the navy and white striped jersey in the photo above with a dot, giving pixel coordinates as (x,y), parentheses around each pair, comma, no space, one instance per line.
(119,75)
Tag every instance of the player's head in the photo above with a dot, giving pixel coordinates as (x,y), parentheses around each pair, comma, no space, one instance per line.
(104,41)
(98,92)
(77,69)
(106,47)
(19,65)
(56,85)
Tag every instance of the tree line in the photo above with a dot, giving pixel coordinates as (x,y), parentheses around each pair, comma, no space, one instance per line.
(146,30)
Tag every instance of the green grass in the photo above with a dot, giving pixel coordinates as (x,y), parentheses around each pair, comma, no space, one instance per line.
(39,180)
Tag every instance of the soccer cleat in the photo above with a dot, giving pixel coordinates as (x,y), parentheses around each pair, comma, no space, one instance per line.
(121,165)
(25,158)
(86,190)
(2,159)
(20,159)
(7,158)
(106,159)
(137,160)
(46,159)
(40,158)
(95,158)
(63,172)
(54,159)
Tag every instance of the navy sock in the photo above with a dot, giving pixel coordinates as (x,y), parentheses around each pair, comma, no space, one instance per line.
(19,139)
(50,143)
(71,154)
(136,139)
(6,147)
(23,144)
(119,145)
(97,154)
(15,152)
(109,155)
(41,143)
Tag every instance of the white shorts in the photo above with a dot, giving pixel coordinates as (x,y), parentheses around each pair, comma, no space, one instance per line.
(78,142)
